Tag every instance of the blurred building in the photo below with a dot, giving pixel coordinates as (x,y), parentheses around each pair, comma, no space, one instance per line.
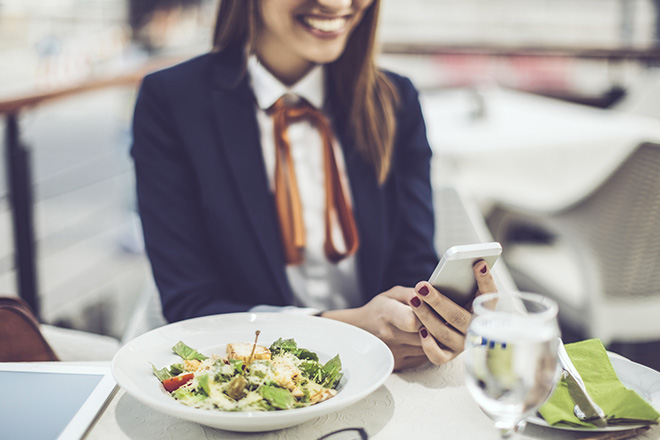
(563,48)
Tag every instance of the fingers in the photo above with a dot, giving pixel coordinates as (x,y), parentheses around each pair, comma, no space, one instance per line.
(484,277)
(399,293)
(389,317)
(393,336)
(445,322)
(405,320)
(439,315)
(399,314)
(436,354)
(409,362)
(436,309)
(404,351)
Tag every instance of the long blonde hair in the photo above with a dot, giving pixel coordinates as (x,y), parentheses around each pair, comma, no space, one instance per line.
(365,95)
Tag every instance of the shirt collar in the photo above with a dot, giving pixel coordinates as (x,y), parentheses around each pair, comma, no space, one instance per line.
(268,89)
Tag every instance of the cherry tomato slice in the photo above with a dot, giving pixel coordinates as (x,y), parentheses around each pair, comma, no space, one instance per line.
(175,382)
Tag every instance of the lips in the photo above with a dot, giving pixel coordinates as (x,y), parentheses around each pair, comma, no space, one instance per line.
(325,25)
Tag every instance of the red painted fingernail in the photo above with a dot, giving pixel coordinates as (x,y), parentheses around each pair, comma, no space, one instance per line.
(424,333)
(416,302)
(484,269)
(423,291)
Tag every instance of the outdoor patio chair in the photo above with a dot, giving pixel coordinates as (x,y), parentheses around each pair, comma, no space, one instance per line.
(21,339)
(599,258)
(24,339)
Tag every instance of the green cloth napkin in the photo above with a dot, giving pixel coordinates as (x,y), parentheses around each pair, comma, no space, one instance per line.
(621,405)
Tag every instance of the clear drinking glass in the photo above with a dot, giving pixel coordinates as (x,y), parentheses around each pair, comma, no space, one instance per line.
(511,356)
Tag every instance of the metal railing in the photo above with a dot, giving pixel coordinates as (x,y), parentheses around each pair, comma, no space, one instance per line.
(642,55)
(19,169)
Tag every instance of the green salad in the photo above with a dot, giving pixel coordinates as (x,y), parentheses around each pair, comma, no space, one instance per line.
(251,377)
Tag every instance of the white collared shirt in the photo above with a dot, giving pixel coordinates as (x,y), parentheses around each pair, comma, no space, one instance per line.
(317,283)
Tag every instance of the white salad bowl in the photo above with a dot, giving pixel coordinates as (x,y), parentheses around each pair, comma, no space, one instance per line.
(366,363)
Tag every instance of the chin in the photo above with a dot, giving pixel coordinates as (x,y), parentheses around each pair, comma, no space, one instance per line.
(326,55)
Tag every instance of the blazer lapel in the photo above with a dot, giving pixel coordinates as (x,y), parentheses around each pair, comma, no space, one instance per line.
(369,213)
(237,127)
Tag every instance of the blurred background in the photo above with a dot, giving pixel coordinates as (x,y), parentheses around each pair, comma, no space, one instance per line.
(545,113)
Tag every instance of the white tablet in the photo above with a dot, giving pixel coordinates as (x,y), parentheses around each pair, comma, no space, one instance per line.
(51,400)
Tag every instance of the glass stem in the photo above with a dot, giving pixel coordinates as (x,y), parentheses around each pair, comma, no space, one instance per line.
(507,429)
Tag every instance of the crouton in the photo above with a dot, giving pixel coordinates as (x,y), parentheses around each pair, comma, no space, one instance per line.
(242,350)
(191,365)
(322,395)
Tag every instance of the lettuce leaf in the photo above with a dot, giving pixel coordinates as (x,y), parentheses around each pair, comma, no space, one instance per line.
(286,345)
(203,381)
(161,374)
(290,346)
(278,397)
(176,369)
(188,397)
(312,370)
(332,373)
(188,353)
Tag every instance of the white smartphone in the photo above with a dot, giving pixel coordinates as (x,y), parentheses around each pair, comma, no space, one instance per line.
(453,276)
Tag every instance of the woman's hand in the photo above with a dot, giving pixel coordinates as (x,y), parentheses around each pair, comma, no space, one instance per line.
(444,323)
(389,317)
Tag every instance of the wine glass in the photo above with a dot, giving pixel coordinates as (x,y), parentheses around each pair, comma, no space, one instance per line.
(511,356)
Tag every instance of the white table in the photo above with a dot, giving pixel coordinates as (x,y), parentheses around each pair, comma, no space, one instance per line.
(425,403)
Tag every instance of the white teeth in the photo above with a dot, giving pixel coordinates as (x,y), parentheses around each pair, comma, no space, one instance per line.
(325,25)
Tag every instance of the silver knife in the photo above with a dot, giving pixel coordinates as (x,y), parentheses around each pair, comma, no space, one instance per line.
(585,408)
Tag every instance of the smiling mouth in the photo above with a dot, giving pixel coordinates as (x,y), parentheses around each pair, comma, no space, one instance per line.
(328,25)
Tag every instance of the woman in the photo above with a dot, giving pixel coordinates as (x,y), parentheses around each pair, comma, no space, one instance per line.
(214,154)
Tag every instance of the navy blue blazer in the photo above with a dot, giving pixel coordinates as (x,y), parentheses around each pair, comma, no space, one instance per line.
(208,214)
